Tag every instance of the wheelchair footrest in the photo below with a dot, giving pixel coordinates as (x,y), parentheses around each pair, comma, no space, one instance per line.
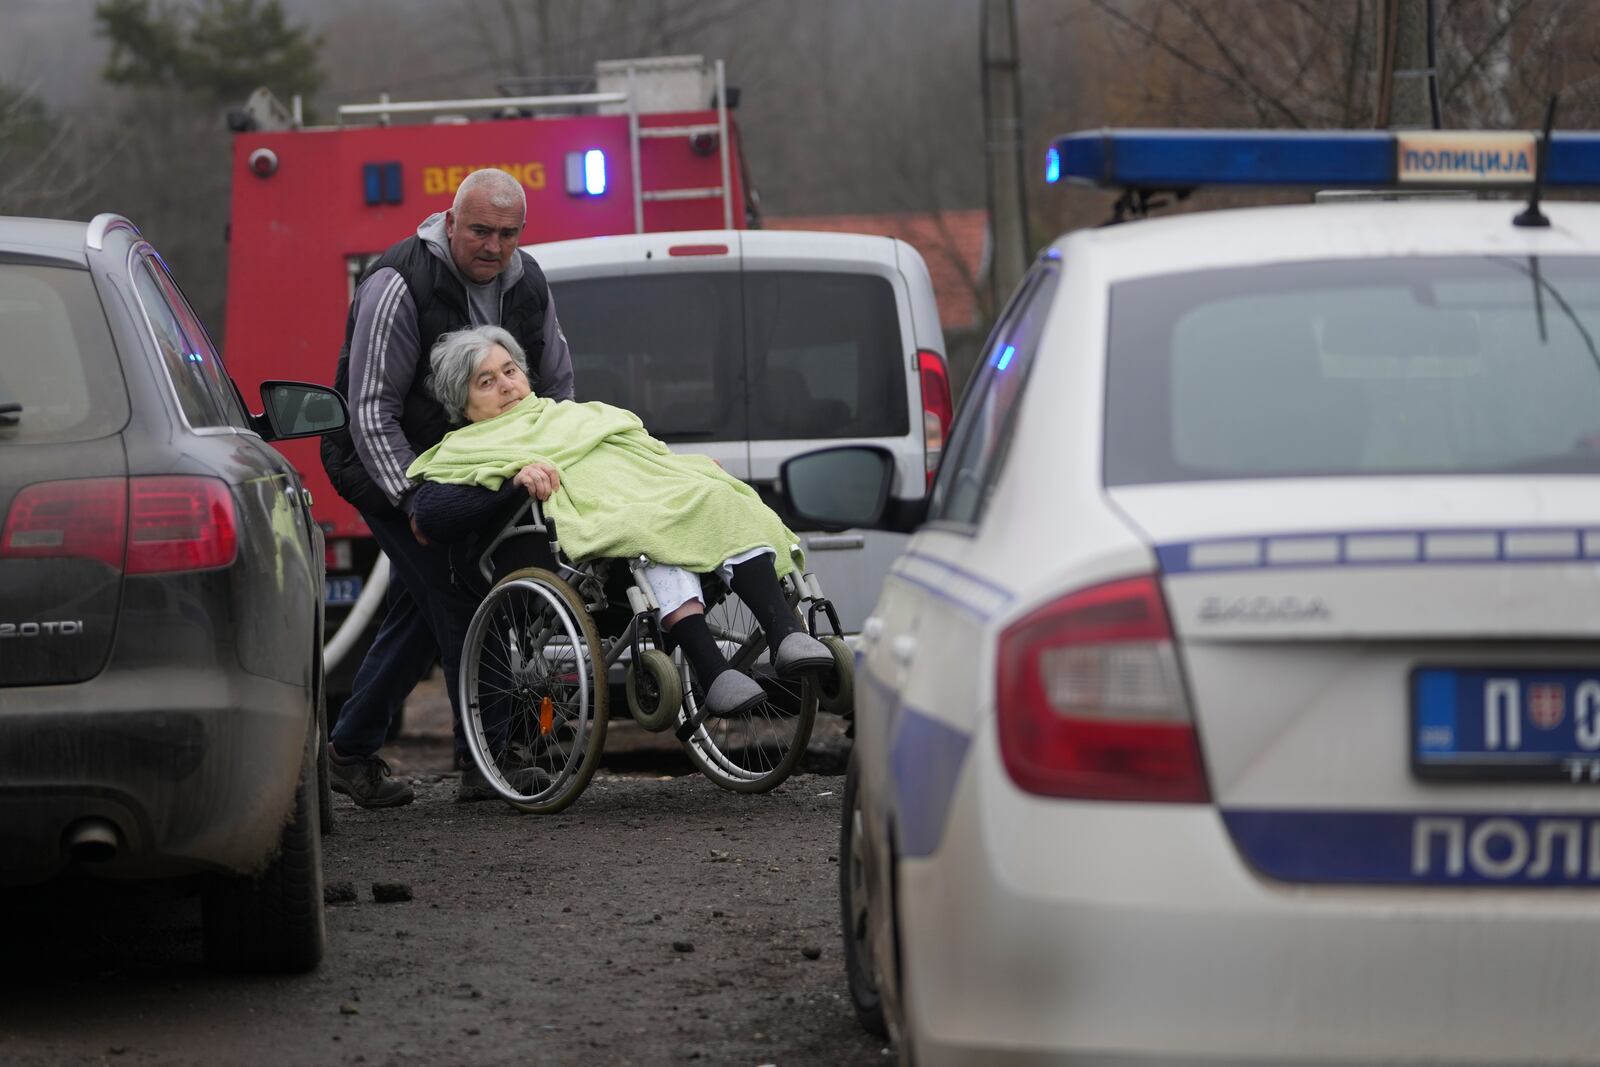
(686,731)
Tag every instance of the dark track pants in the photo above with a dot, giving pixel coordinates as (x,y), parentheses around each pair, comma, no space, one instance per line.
(427,615)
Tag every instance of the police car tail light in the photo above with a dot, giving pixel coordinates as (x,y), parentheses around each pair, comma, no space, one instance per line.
(85,518)
(1091,703)
(180,523)
(937,409)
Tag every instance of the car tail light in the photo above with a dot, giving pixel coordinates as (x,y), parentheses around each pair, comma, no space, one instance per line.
(180,523)
(937,409)
(85,518)
(1091,703)
(142,525)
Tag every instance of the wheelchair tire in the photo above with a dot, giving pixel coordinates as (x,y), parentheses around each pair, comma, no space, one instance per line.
(838,694)
(655,707)
(756,751)
(533,691)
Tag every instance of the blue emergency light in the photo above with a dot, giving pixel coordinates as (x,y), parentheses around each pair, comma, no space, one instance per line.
(1330,159)
(586,172)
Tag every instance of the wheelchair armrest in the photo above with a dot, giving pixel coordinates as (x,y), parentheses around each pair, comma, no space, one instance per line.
(526,518)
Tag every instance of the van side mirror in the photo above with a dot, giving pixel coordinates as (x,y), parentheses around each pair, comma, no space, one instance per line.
(298,409)
(840,487)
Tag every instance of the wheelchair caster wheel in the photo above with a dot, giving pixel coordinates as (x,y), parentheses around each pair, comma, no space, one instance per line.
(837,694)
(655,703)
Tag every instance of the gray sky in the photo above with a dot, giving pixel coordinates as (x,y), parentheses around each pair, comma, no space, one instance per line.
(49,47)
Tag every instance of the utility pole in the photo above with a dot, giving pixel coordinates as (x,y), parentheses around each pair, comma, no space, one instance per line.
(1002,134)
(1408,80)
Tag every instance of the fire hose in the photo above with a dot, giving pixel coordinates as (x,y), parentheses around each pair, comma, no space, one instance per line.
(355,623)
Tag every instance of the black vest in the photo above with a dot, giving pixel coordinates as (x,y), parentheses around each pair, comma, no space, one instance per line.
(441,302)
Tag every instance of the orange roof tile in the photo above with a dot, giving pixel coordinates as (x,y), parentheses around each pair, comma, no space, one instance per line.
(954,244)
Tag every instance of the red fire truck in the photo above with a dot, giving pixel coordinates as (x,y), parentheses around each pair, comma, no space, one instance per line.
(652,148)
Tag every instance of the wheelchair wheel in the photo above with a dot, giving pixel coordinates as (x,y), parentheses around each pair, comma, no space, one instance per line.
(758,750)
(533,692)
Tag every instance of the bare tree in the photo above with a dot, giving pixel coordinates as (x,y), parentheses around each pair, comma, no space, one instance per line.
(43,159)
(563,38)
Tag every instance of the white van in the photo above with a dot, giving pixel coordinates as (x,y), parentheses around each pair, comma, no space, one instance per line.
(751,346)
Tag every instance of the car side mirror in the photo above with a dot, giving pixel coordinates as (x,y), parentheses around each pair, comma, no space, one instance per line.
(298,409)
(844,487)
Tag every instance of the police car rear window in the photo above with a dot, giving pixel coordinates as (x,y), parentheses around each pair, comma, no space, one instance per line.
(716,356)
(59,376)
(1420,365)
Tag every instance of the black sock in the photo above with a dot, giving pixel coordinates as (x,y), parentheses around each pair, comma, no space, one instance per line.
(701,649)
(756,583)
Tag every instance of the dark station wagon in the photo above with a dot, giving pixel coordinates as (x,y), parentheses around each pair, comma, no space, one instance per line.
(161,590)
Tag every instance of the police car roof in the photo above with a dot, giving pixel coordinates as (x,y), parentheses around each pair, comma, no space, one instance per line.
(1204,240)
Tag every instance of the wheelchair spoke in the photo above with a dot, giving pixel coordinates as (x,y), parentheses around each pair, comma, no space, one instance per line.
(529,671)
(760,748)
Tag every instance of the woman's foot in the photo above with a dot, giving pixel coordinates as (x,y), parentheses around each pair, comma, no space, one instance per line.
(732,694)
(800,653)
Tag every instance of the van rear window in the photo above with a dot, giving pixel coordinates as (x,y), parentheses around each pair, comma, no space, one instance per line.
(59,376)
(717,356)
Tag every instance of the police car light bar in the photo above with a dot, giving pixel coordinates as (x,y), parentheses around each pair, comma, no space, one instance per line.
(1333,159)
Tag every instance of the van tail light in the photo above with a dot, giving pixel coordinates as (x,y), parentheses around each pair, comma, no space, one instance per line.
(937,409)
(146,525)
(1090,701)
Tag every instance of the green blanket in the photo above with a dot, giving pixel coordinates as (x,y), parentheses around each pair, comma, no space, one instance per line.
(623,493)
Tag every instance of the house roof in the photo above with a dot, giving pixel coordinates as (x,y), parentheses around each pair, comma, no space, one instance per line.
(954,244)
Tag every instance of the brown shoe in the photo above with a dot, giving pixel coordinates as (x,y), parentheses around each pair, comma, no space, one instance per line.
(367,780)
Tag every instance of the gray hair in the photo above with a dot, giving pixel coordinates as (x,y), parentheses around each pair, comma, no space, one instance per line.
(454,359)
(501,190)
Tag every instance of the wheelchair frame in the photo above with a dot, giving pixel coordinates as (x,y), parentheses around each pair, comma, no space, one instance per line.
(648,666)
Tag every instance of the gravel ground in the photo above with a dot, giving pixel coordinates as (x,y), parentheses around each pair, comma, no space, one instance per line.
(658,920)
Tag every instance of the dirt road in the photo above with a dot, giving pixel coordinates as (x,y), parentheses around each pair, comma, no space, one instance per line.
(659,921)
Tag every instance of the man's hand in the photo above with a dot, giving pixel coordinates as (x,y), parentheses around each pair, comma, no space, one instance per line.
(539,479)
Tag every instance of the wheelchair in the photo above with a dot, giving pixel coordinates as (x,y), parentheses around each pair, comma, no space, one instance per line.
(536,670)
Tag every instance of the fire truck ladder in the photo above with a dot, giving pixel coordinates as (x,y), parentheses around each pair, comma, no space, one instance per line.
(637,132)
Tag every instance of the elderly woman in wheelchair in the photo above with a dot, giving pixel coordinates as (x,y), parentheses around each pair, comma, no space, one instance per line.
(534,672)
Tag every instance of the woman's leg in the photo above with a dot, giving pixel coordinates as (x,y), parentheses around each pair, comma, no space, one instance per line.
(684,620)
(756,583)
(793,650)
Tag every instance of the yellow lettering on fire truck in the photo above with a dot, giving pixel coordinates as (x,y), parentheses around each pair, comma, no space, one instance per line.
(439,180)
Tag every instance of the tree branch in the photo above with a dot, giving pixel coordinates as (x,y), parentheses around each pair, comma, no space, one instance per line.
(1242,86)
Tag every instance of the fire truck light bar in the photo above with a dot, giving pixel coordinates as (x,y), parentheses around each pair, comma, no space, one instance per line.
(586,173)
(1332,159)
(380,183)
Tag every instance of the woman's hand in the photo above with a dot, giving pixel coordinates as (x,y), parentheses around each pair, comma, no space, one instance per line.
(539,479)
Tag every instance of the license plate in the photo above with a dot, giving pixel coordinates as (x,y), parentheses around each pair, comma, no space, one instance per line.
(343,590)
(1515,724)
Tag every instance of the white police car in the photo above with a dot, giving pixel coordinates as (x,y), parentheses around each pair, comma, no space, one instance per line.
(1237,699)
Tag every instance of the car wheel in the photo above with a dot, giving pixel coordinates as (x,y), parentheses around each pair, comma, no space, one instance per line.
(273,922)
(854,917)
(324,774)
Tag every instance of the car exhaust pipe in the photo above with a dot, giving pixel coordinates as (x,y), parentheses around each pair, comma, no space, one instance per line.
(92,841)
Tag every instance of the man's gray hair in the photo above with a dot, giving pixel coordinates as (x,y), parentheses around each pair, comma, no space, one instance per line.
(456,356)
(502,190)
